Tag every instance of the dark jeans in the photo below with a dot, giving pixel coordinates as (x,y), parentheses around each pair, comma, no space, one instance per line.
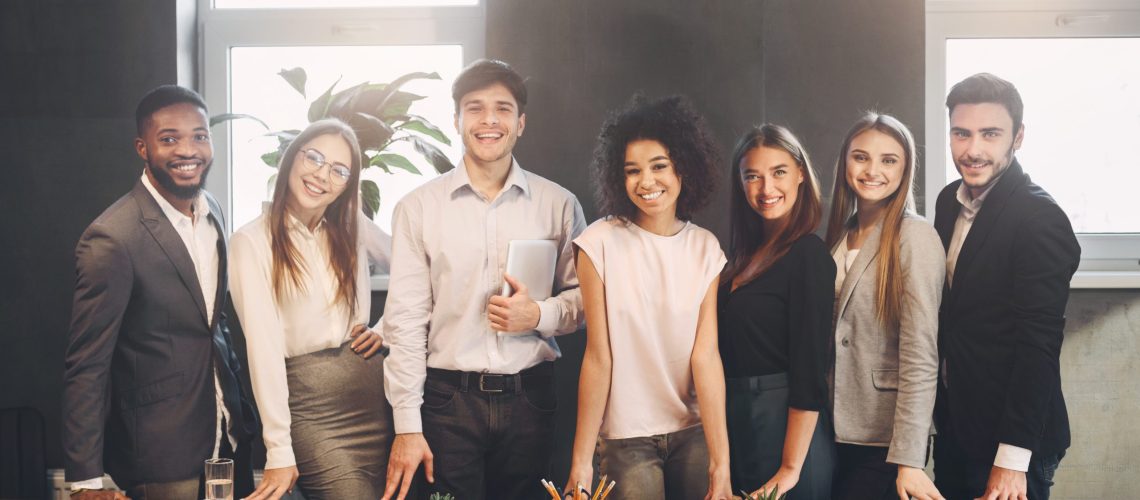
(862,473)
(492,436)
(958,476)
(757,415)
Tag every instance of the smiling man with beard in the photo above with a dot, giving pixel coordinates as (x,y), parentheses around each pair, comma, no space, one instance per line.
(151,384)
(1011,251)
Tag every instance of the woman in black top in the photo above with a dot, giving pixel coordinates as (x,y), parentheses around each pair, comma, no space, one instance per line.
(775,321)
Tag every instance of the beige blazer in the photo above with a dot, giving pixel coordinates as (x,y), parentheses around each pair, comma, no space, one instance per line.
(885,379)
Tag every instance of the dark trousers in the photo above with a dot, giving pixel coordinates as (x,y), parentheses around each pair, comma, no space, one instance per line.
(195,488)
(958,476)
(862,473)
(757,415)
(491,435)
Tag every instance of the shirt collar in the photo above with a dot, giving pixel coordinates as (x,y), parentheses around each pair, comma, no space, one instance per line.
(199,205)
(975,204)
(292,223)
(515,177)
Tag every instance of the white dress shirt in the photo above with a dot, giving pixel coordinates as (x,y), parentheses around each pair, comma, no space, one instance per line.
(449,253)
(303,322)
(1008,456)
(201,240)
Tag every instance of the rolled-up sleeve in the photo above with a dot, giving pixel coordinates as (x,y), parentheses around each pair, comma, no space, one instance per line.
(562,313)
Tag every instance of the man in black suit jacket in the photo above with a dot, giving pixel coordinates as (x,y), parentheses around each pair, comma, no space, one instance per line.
(1011,252)
(151,384)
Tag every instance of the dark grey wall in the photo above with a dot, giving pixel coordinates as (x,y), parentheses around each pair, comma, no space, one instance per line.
(809,64)
(72,73)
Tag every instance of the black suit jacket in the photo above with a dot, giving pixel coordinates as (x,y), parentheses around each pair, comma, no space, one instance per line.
(1002,321)
(139,398)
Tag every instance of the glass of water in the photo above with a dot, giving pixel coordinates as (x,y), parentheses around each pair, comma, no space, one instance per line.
(219,479)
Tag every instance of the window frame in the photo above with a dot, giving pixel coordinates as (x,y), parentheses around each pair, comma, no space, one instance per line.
(1108,260)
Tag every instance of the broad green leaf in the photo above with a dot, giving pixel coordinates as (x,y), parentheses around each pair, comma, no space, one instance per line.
(343,103)
(371,131)
(370,195)
(269,186)
(272,158)
(391,90)
(432,153)
(284,136)
(397,104)
(398,161)
(320,107)
(296,78)
(376,161)
(225,117)
(421,125)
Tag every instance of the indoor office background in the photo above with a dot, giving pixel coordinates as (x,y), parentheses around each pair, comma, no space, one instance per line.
(72,72)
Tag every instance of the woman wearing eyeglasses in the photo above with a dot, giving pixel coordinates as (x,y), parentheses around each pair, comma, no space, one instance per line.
(299,281)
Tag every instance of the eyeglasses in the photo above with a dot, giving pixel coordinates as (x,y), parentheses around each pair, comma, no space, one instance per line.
(315,160)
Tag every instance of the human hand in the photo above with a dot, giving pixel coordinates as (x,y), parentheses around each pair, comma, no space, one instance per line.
(581,475)
(784,480)
(1005,484)
(98,495)
(720,484)
(913,482)
(517,313)
(408,452)
(275,483)
(365,341)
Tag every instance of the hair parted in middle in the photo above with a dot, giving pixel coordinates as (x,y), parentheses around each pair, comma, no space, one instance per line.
(671,121)
(341,220)
(751,252)
(898,205)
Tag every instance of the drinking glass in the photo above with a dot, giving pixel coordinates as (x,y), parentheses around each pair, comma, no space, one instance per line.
(219,479)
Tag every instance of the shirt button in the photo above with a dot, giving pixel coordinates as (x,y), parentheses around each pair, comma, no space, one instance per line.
(845,342)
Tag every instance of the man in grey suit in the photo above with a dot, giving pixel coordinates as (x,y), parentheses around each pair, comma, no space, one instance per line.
(151,385)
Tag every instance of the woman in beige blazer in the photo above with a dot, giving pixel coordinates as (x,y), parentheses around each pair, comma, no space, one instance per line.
(890,269)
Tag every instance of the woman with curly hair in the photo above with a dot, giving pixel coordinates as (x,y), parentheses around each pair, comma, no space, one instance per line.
(775,320)
(649,284)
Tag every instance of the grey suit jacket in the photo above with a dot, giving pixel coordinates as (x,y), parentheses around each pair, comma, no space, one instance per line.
(139,397)
(885,379)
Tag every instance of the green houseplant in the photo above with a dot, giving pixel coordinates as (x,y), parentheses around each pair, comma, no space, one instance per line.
(378,112)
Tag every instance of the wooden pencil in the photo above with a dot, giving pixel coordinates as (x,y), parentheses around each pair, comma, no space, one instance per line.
(550,489)
(607,492)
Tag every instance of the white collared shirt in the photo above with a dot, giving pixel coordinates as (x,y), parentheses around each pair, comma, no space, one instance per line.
(449,253)
(303,322)
(1008,456)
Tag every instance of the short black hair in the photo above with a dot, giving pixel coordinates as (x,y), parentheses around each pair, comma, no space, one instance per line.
(985,87)
(674,123)
(484,73)
(161,97)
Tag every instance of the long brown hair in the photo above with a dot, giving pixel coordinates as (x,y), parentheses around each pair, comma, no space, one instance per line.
(341,219)
(751,252)
(898,205)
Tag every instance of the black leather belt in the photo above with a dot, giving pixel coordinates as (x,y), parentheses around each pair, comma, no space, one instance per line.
(493,382)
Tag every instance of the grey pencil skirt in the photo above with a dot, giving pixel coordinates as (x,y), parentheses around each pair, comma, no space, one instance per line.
(341,423)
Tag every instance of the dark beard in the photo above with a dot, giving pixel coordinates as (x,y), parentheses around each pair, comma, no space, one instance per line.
(167,182)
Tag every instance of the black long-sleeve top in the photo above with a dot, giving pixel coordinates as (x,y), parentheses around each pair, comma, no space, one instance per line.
(781,322)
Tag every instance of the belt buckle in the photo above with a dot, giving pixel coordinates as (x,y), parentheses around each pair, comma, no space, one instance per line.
(483,386)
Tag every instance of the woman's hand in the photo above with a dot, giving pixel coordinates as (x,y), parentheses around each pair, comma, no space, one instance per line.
(365,341)
(582,475)
(275,483)
(913,482)
(720,484)
(785,479)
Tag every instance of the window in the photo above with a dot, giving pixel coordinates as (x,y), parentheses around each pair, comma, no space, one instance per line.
(1079,77)
(245,43)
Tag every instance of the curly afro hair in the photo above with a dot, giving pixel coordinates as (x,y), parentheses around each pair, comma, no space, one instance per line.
(674,123)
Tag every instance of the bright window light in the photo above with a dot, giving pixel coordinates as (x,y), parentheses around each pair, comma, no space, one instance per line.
(332,4)
(1082,119)
(256,89)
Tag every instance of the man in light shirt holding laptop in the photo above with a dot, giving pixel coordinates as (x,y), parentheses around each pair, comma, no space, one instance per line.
(470,376)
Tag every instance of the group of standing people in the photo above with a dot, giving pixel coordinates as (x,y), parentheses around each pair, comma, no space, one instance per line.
(816,367)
